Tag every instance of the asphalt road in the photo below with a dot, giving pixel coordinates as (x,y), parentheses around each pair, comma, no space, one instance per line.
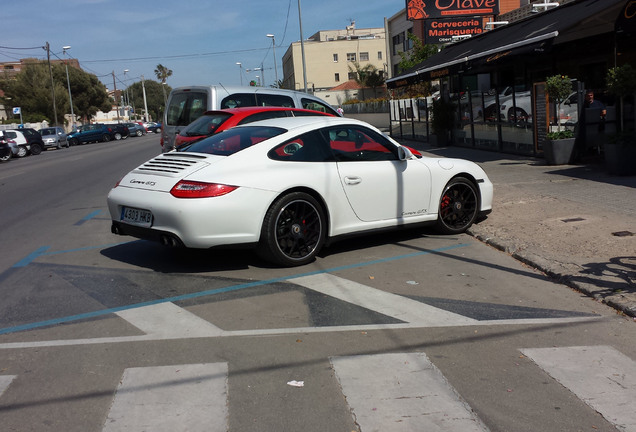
(393,332)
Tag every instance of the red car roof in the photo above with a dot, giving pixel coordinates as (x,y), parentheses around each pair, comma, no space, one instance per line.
(234,118)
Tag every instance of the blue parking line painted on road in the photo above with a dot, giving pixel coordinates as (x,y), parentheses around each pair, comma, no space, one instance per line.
(33,255)
(190,296)
(88,217)
(43,252)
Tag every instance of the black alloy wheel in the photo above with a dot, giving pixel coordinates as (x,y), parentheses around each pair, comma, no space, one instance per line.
(458,206)
(73,141)
(106,138)
(293,230)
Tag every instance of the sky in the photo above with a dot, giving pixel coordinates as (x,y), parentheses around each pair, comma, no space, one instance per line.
(199,40)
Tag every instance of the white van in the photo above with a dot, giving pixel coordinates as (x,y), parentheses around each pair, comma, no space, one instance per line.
(186,104)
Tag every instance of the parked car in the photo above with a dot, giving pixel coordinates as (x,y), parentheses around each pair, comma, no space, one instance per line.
(5,149)
(212,122)
(287,186)
(186,104)
(54,137)
(24,141)
(97,133)
(135,129)
(153,127)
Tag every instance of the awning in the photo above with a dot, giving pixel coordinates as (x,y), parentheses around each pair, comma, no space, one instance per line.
(568,22)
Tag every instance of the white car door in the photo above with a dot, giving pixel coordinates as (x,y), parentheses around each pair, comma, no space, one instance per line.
(377,184)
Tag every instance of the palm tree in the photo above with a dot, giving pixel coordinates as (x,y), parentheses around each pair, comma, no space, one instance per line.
(162,74)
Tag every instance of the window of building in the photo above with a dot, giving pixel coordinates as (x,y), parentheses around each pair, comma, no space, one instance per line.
(351,76)
(337,77)
(364,56)
(335,58)
(379,55)
(351,57)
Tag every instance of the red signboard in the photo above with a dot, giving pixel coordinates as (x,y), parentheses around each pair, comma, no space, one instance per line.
(440,31)
(424,9)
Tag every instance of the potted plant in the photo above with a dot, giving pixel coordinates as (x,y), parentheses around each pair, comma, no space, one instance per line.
(559,145)
(620,150)
(442,121)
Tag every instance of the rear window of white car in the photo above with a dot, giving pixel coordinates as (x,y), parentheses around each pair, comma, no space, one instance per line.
(233,140)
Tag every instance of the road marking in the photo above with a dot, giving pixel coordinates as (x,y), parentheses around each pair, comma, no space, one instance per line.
(416,313)
(169,398)
(402,392)
(169,321)
(87,217)
(601,376)
(5,382)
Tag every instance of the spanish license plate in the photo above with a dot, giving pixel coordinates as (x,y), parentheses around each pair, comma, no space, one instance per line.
(136,216)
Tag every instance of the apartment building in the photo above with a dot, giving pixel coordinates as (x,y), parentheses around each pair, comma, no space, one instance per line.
(330,56)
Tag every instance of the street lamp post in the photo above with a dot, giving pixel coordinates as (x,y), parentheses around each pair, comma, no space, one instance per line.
(68,83)
(274,48)
(302,46)
(127,97)
(240,65)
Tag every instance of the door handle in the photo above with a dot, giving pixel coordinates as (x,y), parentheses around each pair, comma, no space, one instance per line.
(352,180)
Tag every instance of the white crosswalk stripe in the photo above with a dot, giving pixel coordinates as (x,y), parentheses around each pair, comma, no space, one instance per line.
(402,392)
(601,376)
(5,381)
(170,398)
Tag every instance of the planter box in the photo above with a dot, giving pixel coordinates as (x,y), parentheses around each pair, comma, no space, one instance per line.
(558,152)
(620,159)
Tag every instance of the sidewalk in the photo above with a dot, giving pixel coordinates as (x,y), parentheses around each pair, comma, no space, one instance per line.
(576,223)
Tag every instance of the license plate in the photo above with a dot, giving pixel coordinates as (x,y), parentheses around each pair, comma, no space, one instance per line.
(136,216)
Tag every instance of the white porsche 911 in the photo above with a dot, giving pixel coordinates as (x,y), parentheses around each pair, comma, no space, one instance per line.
(288,186)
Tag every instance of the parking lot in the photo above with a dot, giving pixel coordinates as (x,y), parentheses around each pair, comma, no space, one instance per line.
(398,331)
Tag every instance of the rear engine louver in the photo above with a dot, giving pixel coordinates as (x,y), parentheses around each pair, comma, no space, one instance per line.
(169,163)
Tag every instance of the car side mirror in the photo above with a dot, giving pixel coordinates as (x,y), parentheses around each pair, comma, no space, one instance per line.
(404,153)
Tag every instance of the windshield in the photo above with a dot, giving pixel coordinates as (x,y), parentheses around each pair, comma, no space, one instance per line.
(47,132)
(205,125)
(185,107)
(233,140)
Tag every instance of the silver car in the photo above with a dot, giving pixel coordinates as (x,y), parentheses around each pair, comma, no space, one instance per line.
(54,137)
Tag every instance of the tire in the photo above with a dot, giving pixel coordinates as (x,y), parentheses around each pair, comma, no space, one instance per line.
(73,141)
(293,230)
(518,116)
(35,149)
(117,136)
(22,151)
(458,206)
(106,138)
(158,130)
(5,158)
(125,136)
(139,133)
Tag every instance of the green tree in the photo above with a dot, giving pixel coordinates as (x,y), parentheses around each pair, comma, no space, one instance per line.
(417,55)
(30,89)
(163,73)
(367,76)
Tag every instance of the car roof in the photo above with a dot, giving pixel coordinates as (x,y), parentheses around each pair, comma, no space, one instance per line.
(291,123)
(244,111)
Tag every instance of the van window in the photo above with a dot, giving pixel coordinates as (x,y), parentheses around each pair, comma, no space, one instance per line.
(185,107)
(274,100)
(238,100)
(317,106)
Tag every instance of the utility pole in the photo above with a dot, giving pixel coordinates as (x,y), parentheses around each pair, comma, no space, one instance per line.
(143,88)
(115,96)
(302,47)
(48,58)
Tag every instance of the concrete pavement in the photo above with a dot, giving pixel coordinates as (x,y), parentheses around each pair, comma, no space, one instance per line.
(575,223)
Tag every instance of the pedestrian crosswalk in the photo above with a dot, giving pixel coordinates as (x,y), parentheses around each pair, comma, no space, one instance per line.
(395,392)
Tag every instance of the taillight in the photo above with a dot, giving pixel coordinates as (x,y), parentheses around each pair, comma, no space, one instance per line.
(193,189)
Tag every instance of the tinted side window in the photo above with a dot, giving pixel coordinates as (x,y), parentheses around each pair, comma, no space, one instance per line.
(309,147)
(263,116)
(274,100)
(317,106)
(186,107)
(355,144)
(238,100)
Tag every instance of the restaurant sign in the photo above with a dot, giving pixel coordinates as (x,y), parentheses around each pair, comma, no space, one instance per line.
(440,31)
(425,9)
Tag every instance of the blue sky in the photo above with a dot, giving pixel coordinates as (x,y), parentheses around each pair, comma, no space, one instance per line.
(200,41)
